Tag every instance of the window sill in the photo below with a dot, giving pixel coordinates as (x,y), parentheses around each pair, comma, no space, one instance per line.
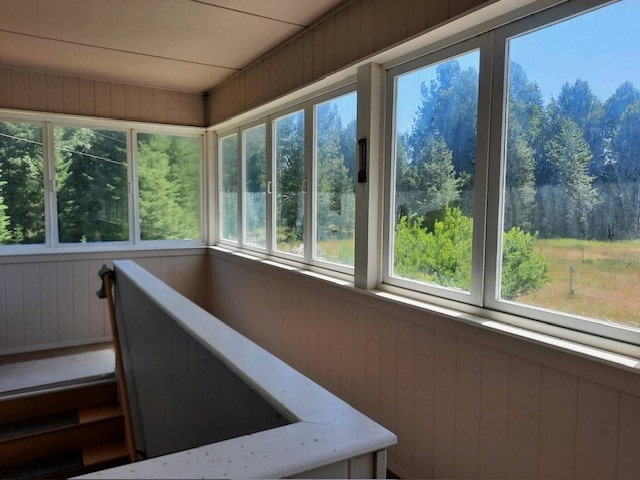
(18,253)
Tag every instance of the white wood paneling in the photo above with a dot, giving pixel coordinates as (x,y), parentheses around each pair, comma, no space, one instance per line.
(597,431)
(47,303)
(37,91)
(14,305)
(524,418)
(494,414)
(464,403)
(46,92)
(629,439)
(3,310)
(559,392)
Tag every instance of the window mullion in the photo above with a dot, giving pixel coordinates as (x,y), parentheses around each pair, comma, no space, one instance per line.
(51,205)
(269,158)
(308,183)
(482,170)
(495,183)
(368,194)
(240,189)
(133,187)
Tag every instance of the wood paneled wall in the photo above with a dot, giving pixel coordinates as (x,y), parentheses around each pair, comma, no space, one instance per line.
(51,302)
(360,29)
(45,92)
(464,402)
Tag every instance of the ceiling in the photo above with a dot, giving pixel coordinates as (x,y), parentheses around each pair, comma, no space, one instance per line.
(189,45)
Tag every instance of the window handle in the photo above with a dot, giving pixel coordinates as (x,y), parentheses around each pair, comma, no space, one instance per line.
(269,192)
(362,172)
(304,185)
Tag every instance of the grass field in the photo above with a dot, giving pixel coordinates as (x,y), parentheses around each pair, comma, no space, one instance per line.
(606,279)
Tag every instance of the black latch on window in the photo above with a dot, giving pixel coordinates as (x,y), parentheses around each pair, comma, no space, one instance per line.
(362,171)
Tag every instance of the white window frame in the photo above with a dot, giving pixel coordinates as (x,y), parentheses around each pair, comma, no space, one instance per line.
(52,244)
(218,147)
(307,106)
(481,305)
(313,200)
(135,184)
(54,193)
(304,187)
(482,44)
(495,199)
(243,175)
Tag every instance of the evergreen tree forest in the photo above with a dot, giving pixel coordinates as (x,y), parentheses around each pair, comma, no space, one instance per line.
(572,172)
(91,184)
(21,184)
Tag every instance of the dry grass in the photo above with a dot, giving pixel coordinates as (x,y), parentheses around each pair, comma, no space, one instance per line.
(606,280)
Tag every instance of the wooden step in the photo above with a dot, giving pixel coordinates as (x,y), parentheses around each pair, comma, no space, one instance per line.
(55,466)
(95,425)
(47,402)
(72,463)
(100,454)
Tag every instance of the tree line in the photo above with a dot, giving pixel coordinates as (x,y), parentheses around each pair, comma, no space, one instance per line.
(572,163)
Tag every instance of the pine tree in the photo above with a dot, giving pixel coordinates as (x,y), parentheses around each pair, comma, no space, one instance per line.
(91,185)
(160,212)
(5,232)
(569,157)
(626,170)
(289,139)
(21,171)
(523,130)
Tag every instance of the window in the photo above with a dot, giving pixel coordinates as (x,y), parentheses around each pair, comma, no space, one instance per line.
(570,236)
(335,165)
(228,198)
(66,182)
(169,187)
(254,155)
(289,186)
(553,233)
(296,169)
(91,185)
(22,209)
(433,171)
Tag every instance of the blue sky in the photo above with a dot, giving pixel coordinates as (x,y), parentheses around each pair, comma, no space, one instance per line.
(601,47)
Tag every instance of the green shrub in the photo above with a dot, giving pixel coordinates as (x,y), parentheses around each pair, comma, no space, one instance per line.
(524,269)
(442,254)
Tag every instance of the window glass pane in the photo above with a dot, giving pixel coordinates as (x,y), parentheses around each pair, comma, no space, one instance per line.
(229,187)
(91,185)
(571,232)
(169,187)
(435,149)
(255,193)
(289,164)
(335,134)
(21,184)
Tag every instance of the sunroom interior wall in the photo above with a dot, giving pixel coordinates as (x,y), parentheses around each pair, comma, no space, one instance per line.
(52,93)
(464,402)
(49,301)
(354,32)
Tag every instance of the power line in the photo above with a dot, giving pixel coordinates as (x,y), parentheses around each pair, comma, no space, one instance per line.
(97,157)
